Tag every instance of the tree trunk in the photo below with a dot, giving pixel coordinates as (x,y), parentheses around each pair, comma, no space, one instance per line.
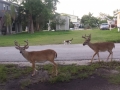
(10,28)
(37,27)
(31,28)
(20,27)
(16,28)
(7,29)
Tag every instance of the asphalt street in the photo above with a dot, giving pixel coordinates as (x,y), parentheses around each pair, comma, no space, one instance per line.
(65,52)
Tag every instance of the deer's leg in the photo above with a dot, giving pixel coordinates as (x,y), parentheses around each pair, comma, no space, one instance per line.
(111,53)
(55,67)
(111,56)
(33,67)
(93,56)
(98,57)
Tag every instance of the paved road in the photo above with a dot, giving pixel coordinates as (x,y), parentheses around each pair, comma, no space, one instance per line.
(65,52)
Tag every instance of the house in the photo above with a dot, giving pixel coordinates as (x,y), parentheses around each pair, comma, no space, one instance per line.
(69,18)
(117,15)
(118,18)
(15,26)
(75,20)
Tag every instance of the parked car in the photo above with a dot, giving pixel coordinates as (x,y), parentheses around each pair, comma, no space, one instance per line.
(104,26)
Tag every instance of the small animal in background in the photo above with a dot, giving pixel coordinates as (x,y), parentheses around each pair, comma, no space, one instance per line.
(68,41)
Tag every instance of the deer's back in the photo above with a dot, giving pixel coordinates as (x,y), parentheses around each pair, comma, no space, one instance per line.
(43,55)
(104,46)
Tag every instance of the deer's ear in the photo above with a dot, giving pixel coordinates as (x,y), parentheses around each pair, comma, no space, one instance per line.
(26,47)
(17,47)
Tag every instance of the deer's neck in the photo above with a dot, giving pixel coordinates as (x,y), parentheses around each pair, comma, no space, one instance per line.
(91,45)
(25,54)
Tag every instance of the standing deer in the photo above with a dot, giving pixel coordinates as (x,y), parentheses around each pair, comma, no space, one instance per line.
(99,47)
(37,56)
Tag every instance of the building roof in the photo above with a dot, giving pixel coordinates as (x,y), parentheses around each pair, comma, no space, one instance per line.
(1,1)
(8,3)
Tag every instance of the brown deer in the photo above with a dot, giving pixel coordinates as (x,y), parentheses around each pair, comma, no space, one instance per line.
(37,56)
(99,47)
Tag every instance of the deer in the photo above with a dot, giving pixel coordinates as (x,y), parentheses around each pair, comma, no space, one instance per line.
(99,47)
(37,56)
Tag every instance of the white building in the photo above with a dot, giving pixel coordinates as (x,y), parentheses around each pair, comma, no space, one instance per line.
(75,20)
(63,22)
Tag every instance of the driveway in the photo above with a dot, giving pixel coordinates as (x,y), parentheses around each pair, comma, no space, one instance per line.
(65,52)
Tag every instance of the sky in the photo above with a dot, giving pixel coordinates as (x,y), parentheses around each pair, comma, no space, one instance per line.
(83,7)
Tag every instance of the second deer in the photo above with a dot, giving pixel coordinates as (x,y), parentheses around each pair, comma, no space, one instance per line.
(37,56)
(99,47)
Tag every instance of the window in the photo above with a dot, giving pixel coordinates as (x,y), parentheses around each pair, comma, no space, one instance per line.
(3,6)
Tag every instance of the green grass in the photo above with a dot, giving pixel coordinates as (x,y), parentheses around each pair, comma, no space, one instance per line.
(3,75)
(57,37)
(10,71)
(25,83)
(65,72)
(68,72)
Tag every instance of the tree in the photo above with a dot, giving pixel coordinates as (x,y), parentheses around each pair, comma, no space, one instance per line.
(10,17)
(89,21)
(37,12)
(8,22)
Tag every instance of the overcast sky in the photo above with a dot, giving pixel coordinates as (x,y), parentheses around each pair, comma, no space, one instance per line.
(82,7)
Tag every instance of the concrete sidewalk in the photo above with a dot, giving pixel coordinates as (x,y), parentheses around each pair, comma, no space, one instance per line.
(77,62)
(84,62)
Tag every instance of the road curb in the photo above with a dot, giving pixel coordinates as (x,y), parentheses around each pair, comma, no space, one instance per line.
(85,62)
(70,62)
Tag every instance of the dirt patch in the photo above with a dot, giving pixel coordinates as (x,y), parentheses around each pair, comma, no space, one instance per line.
(93,82)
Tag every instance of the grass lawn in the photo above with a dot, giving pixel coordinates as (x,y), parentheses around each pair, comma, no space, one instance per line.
(49,37)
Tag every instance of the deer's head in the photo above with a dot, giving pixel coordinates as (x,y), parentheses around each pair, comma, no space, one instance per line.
(87,39)
(21,49)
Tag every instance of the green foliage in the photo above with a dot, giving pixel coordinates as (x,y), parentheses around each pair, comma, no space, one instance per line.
(83,75)
(37,12)
(25,83)
(68,72)
(7,19)
(61,77)
(3,76)
(65,72)
(12,12)
(113,77)
(89,21)
(71,25)
(11,71)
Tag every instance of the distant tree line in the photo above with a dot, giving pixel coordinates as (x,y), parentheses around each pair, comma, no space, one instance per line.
(89,21)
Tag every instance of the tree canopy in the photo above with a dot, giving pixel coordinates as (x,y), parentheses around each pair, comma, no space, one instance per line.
(35,13)
(89,20)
